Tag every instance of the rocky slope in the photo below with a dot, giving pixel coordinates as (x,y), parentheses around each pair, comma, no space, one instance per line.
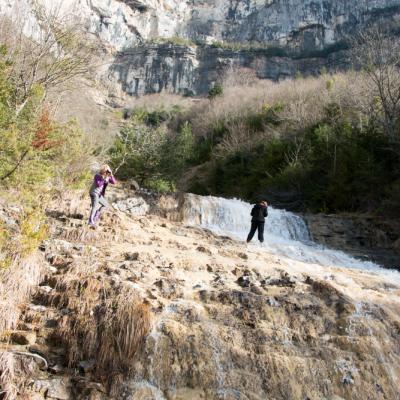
(148,308)
(276,39)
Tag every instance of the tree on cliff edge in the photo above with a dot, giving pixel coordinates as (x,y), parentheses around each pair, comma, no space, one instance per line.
(57,52)
(377,52)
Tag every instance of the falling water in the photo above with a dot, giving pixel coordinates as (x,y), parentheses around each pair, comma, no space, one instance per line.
(286,234)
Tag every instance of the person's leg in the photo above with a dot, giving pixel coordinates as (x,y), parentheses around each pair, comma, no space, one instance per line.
(95,205)
(252,231)
(261,226)
(98,214)
(103,203)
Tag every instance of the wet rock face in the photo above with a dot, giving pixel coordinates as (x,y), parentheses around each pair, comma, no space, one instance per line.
(302,339)
(366,238)
(148,308)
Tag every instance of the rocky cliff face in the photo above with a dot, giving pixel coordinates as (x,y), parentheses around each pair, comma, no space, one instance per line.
(300,28)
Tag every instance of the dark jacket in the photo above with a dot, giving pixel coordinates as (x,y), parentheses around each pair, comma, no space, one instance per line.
(259,213)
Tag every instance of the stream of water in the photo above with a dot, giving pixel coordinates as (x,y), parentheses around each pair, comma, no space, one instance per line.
(286,234)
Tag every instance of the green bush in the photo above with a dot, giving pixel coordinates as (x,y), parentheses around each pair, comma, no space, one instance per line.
(216,90)
(174,40)
(258,48)
(150,155)
(39,159)
(160,185)
(334,170)
(137,151)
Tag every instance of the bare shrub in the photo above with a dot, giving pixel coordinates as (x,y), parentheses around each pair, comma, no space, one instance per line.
(47,56)
(302,103)
(377,53)
(238,138)
(160,101)
(240,76)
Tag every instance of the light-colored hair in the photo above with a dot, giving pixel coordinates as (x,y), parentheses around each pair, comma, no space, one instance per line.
(104,169)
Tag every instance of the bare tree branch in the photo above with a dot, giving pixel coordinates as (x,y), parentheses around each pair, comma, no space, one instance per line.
(377,53)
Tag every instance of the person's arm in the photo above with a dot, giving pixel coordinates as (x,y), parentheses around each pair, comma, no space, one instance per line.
(252,212)
(99,181)
(266,212)
(112,180)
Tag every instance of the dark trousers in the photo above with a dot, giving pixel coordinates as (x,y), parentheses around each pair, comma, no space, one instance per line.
(254,227)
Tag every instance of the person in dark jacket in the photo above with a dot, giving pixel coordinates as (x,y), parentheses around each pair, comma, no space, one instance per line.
(258,213)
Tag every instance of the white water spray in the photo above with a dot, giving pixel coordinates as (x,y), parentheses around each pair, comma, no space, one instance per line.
(286,234)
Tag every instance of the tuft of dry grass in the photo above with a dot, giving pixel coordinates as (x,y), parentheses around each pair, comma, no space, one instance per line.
(78,329)
(124,324)
(15,366)
(82,235)
(105,324)
(8,390)
(16,285)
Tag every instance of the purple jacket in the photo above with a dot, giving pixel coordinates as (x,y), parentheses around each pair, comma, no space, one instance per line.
(100,184)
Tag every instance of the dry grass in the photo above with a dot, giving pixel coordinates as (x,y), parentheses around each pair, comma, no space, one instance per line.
(299,103)
(106,324)
(16,287)
(161,101)
(124,325)
(82,235)
(79,329)
(303,99)
(71,203)
(15,367)
(8,390)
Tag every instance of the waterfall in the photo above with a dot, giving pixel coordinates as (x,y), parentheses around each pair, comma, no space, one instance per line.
(232,216)
(286,234)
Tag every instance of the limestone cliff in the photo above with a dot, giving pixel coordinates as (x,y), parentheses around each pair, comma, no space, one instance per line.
(278,38)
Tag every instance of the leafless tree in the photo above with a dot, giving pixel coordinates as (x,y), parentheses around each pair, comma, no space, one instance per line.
(59,52)
(377,53)
(55,51)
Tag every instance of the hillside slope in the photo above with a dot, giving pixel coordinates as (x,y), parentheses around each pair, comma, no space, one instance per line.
(148,308)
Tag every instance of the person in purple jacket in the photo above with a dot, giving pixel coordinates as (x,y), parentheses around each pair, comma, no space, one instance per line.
(97,193)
